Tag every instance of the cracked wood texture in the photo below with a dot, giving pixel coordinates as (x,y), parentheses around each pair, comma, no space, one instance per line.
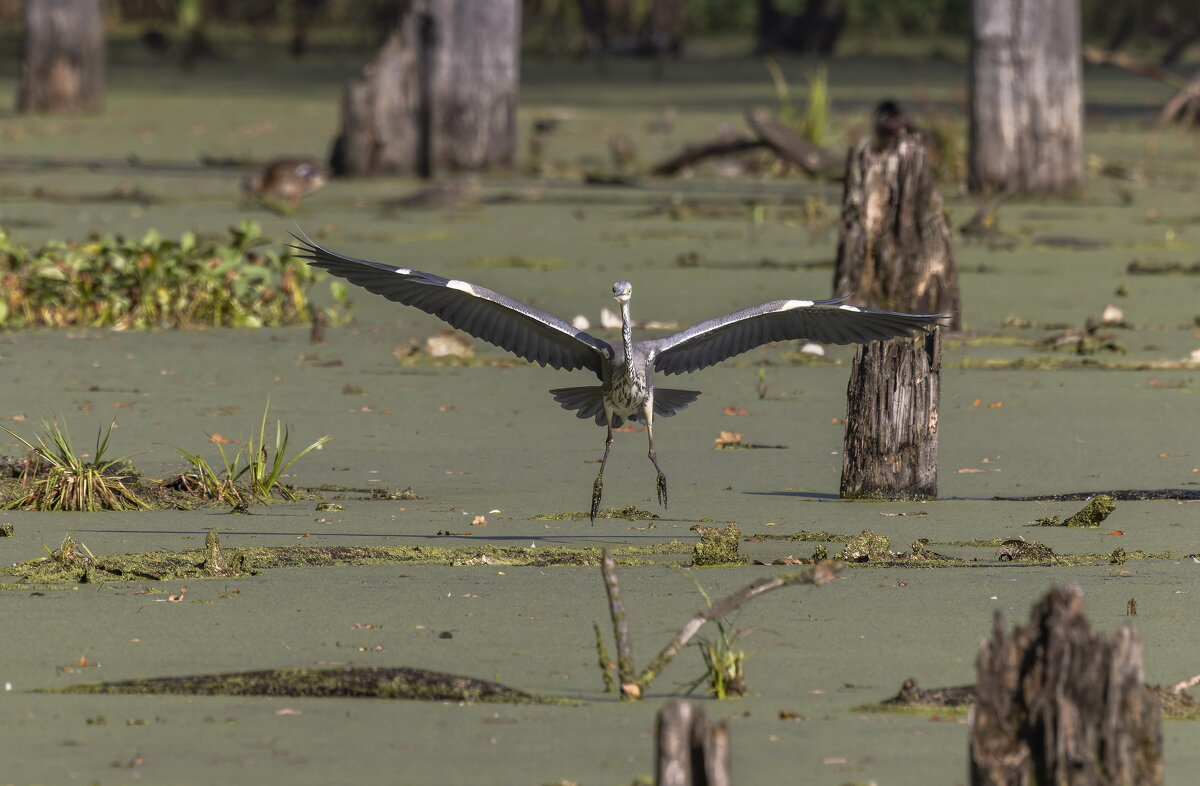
(894,252)
(891,447)
(439,96)
(1058,703)
(1026,103)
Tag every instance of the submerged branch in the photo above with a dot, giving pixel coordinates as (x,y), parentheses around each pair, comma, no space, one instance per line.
(821,573)
(616,608)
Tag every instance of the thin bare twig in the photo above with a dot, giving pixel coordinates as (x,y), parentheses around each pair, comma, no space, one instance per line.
(1180,687)
(602,656)
(822,573)
(625,667)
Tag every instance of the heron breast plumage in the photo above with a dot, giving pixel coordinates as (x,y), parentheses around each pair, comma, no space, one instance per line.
(629,392)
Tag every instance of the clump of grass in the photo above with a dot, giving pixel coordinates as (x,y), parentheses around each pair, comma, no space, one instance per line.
(56,478)
(724,660)
(253,474)
(813,121)
(70,552)
(207,483)
(153,282)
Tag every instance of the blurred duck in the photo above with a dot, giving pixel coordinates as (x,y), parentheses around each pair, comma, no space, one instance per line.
(287,179)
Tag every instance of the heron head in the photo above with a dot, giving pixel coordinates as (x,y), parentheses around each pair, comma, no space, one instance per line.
(622,291)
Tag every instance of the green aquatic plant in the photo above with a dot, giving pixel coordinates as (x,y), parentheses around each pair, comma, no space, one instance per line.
(153,282)
(265,468)
(56,478)
(207,483)
(813,121)
(724,660)
(254,473)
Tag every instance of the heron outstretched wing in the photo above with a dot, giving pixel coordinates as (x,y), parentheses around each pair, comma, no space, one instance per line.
(525,331)
(823,321)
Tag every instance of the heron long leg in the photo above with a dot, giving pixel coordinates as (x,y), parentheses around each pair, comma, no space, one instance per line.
(648,418)
(598,486)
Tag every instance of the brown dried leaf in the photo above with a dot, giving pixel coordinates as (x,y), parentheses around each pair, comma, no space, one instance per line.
(728,438)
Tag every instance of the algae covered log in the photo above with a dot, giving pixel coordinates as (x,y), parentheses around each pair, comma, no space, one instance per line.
(353,682)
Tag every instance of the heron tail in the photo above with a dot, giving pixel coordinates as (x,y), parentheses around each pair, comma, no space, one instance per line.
(588,402)
(668,401)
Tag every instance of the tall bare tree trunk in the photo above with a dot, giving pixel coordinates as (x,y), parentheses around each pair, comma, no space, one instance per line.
(1026,121)
(441,95)
(62,58)
(894,252)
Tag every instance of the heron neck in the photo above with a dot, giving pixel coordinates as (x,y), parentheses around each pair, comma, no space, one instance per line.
(627,332)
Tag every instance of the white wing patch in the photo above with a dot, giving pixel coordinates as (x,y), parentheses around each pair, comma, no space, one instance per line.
(850,308)
(788,305)
(462,286)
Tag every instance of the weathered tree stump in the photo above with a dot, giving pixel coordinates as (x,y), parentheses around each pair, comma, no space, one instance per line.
(1026,98)
(441,94)
(62,57)
(895,253)
(891,446)
(895,250)
(691,752)
(1058,703)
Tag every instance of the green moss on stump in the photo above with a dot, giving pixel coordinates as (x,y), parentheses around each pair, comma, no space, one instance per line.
(717,546)
(1096,511)
(867,547)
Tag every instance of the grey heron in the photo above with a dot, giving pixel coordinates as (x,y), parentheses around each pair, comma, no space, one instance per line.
(625,370)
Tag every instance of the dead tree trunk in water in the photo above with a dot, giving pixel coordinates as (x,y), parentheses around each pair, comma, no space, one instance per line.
(441,95)
(691,752)
(895,249)
(891,447)
(62,57)
(1057,703)
(894,253)
(1026,97)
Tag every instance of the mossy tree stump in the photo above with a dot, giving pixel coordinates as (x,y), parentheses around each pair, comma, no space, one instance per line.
(1057,703)
(895,253)
(440,96)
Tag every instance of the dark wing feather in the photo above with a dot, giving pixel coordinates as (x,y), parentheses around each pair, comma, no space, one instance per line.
(823,321)
(525,331)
